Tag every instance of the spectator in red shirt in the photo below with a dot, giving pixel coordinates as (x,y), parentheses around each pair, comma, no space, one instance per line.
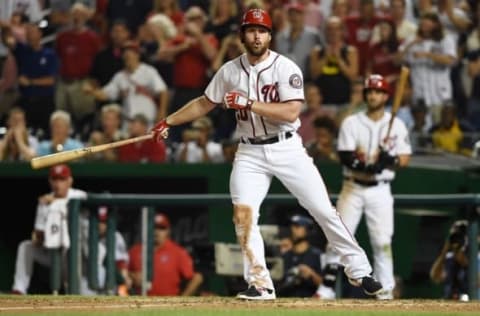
(383,54)
(360,29)
(192,51)
(171,264)
(144,151)
(76,48)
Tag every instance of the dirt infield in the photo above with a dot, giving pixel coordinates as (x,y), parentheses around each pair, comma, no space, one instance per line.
(77,303)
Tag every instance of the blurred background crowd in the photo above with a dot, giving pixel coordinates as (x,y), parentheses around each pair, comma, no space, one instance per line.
(83,73)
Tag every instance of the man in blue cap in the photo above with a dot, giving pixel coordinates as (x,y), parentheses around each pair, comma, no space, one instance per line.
(302,264)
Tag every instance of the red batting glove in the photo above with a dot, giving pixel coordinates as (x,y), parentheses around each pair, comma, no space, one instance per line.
(160,131)
(237,101)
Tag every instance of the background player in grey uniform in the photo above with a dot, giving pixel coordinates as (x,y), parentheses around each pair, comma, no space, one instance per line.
(266,90)
(369,160)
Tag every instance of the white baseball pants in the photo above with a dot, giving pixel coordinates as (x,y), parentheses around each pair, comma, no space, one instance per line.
(376,202)
(27,255)
(253,170)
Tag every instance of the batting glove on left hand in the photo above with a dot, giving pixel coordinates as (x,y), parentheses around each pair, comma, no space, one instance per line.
(160,131)
(237,101)
(386,160)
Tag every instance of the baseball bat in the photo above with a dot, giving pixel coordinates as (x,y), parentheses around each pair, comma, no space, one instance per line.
(397,98)
(64,156)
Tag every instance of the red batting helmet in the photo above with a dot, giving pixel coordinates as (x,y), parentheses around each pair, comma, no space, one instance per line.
(257,17)
(377,82)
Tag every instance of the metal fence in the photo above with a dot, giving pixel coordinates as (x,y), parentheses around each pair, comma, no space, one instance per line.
(148,202)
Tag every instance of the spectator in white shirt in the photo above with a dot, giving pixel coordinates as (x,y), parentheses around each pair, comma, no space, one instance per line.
(197,145)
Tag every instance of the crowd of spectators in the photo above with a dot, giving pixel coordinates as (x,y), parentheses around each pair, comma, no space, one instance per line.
(82,73)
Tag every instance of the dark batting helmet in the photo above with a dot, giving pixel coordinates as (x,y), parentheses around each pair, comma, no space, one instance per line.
(376,82)
(257,17)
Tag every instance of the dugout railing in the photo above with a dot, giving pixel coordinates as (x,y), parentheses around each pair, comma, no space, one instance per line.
(147,204)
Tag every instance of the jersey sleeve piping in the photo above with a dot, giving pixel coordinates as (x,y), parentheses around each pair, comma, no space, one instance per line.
(210,100)
(290,100)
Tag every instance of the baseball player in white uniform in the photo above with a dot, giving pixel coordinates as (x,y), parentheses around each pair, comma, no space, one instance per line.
(35,249)
(369,159)
(266,90)
(121,255)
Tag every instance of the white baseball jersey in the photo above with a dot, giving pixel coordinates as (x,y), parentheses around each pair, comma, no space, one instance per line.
(360,134)
(363,136)
(43,209)
(430,81)
(137,90)
(28,253)
(120,254)
(276,79)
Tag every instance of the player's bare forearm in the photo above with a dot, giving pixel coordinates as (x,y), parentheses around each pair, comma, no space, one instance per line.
(285,111)
(194,109)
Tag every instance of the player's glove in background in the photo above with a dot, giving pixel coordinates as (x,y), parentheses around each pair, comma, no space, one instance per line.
(350,160)
(160,131)
(386,160)
(237,101)
(374,168)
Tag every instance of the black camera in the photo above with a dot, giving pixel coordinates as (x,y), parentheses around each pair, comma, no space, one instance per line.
(292,279)
(458,234)
(293,276)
